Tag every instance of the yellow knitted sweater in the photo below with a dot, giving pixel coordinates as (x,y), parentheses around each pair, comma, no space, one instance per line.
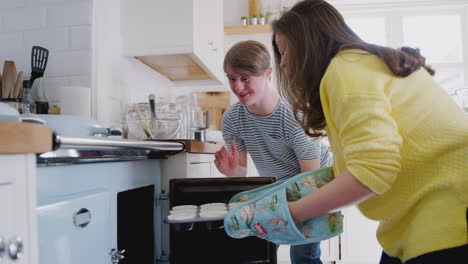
(405,139)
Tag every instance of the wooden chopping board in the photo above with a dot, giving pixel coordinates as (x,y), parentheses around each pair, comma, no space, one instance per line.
(216,103)
(25,138)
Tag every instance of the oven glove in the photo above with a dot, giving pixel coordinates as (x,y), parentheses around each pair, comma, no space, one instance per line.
(266,213)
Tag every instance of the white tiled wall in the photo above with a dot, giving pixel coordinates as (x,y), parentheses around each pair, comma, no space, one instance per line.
(61,26)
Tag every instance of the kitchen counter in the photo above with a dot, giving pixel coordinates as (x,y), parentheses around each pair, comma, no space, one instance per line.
(194,146)
(25,138)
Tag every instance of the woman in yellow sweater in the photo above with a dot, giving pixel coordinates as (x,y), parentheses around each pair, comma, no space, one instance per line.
(400,143)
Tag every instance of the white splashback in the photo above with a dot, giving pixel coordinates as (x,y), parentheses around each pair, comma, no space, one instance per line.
(72,100)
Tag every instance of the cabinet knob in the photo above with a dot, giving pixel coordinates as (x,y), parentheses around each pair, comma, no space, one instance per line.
(2,248)
(15,248)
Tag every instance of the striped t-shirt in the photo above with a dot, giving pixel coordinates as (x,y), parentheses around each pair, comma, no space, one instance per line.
(276,142)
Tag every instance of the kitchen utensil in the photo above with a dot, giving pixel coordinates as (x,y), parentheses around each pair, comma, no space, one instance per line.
(9,78)
(200,122)
(153,112)
(39,58)
(216,103)
(166,125)
(18,85)
(140,122)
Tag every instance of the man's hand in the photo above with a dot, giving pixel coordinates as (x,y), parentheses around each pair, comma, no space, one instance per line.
(227,162)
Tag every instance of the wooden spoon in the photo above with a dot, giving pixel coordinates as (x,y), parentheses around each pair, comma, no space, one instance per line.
(18,84)
(9,78)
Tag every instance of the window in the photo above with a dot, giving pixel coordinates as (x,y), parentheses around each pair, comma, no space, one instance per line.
(439,29)
(371,29)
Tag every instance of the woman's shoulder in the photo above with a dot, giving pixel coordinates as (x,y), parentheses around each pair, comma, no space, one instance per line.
(357,59)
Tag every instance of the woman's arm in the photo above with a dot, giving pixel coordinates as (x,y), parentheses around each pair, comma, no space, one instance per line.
(344,190)
(308,165)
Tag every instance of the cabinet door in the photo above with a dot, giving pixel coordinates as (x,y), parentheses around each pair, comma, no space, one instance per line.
(209,34)
(75,230)
(199,170)
(17,201)
(330,249)
(359,244)
(251,169)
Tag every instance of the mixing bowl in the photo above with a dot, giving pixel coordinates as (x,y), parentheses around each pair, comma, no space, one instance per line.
(165,126)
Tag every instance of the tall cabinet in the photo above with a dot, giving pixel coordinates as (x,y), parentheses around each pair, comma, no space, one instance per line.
(18,227)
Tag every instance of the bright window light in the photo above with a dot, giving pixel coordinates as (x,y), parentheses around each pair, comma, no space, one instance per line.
(369,29)
(437,36)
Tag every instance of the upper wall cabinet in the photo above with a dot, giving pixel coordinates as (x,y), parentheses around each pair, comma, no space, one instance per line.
(181,39)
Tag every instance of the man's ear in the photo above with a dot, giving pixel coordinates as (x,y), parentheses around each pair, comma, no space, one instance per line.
(268,72)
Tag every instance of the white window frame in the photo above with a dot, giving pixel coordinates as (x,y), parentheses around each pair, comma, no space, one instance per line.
(394,10)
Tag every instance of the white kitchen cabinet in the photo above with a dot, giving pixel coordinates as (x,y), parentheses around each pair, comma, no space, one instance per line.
(183,39)
(188,165)
(18,227)
(358,242)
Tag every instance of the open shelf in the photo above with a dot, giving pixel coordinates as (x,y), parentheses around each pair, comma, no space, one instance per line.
(249,29)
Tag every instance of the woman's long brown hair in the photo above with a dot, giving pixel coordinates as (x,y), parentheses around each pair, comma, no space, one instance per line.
(314,32)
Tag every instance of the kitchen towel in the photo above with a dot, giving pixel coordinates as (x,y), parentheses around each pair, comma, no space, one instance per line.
(264,212)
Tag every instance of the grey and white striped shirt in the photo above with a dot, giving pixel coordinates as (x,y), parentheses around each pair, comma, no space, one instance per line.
(276,142)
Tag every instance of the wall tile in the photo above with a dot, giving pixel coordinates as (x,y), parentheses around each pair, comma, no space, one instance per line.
(80,37)
(78,63)
(70,14)
(81,80)
(11,43)
(51,39)
(56,65)
(5,4)
(21,19)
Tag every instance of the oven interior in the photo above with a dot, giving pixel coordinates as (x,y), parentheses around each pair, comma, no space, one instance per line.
(207,242)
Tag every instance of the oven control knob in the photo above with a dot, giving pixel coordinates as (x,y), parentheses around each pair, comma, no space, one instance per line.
(15,248)
(117,255)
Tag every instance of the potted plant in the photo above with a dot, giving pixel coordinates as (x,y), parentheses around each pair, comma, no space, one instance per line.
(244,21)
(254,20)
(261,19)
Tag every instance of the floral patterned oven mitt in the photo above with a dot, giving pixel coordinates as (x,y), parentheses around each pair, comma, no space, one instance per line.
(264,212)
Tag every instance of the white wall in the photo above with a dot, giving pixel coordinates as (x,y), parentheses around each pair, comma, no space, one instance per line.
(61,26)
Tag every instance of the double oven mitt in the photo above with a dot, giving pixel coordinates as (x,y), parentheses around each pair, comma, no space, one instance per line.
(264,212)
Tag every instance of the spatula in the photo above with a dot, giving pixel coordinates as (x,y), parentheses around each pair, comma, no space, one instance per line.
(39,58)
(8,78)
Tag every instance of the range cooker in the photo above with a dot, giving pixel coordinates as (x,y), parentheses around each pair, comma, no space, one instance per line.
(99,200)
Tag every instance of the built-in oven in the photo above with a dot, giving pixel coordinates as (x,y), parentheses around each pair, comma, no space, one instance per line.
(206,241)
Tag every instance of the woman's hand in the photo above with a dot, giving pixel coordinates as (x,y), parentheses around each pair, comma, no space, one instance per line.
(227,162)
(292,211)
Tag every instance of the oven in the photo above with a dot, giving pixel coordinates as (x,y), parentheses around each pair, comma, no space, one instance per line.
(96,198)
(206,241)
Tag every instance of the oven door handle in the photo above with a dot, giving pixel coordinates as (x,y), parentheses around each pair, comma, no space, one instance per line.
(103,143)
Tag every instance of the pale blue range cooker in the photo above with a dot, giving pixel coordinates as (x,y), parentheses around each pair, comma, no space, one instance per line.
(96,196)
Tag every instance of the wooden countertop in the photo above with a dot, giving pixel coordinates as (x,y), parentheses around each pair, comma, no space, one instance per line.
(24,138)
(193,146)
